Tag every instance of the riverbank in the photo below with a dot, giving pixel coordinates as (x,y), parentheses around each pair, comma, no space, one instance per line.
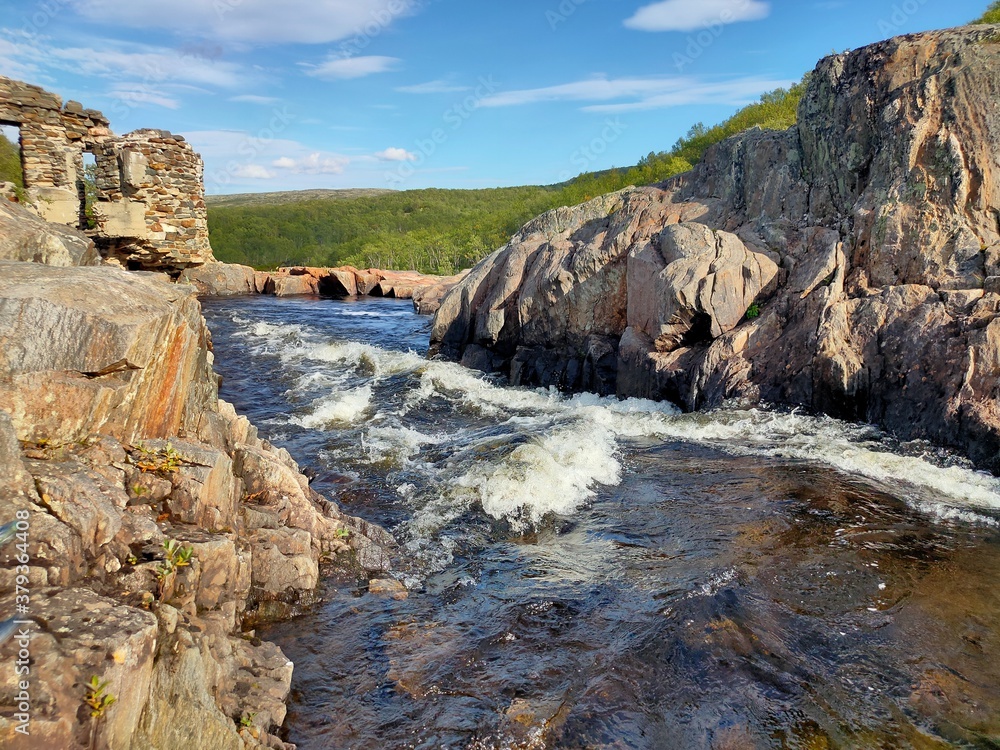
(225,280)
(156,528)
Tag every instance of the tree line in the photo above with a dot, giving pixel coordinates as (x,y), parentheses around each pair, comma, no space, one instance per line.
(443,231)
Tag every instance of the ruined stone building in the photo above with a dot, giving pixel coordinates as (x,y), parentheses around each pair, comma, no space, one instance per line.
(150,206)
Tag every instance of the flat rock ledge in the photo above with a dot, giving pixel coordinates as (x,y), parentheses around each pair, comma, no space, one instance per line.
(113,442)
(224,279)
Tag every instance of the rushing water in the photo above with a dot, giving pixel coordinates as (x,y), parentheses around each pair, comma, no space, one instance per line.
(589,573)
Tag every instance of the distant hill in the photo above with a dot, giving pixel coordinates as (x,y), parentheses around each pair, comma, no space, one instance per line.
(291,196)
(441,231)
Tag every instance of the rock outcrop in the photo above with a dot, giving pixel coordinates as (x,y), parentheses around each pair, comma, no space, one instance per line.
(850,265)
(26,237)
(226,280)
(159,528)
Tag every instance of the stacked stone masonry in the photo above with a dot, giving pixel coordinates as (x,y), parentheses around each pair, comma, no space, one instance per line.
(150,209)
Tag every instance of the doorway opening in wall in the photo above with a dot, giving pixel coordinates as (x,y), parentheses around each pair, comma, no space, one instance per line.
(88,191)
(11,168)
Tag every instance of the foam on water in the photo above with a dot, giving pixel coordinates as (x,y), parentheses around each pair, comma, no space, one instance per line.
(337,408)
(553,473)
(545,452)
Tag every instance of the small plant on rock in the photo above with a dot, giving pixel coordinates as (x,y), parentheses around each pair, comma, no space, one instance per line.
(98,701)
(164,461)
(178,556)
(753,311)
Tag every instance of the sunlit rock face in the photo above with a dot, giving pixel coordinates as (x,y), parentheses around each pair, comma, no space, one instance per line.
(850,265)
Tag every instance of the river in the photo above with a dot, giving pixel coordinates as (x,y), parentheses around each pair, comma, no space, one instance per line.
(592,573)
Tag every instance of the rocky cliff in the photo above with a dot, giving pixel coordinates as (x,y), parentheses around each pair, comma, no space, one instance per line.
(155,526)
(850,265)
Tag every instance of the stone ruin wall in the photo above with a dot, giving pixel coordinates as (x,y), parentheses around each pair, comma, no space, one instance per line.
(150,211)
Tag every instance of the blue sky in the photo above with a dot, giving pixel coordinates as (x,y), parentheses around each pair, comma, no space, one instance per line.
(293,94)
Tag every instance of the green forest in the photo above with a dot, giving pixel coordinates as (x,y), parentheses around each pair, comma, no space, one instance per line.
(443,231)
(992,14)
(10,162)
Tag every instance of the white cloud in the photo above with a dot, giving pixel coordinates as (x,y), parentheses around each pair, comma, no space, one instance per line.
(147,64)
(254,99)
(253,172)
(433,87)
(132,66)
(254,21)
(396,154)
(134,94)
(684,15)
(14,62)
(314,163)
(605,95)
(353,67)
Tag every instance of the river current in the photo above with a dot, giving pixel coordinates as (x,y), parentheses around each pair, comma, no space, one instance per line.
(585,572)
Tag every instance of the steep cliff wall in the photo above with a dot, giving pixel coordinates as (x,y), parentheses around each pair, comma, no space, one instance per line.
(113,443)
(850,265)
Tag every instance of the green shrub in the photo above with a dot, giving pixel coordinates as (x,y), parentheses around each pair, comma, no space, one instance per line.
(992,14)
(10,162)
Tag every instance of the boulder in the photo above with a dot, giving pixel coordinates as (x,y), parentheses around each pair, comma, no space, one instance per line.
(220,279)
(291,286)
(81,500)
(24,236)
(122,354)
(427,299)
(283,561)
(694,284)
(204,491)
(339,282)
(864,243)
(80,635)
